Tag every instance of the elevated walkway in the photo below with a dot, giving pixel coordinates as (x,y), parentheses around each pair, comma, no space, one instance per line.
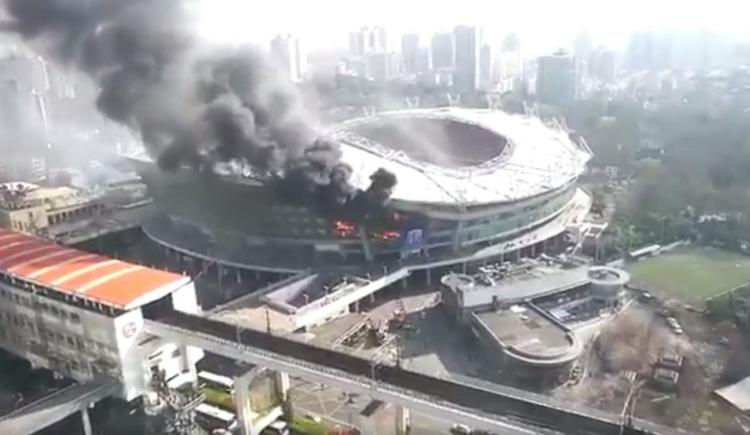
(56,406)
(499,409)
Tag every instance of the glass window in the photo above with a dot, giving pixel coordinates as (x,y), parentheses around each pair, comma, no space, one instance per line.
(75,318)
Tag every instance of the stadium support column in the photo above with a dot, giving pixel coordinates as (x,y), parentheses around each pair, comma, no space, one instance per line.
(86,422)
(365,244)
(457,236)
(402,420)
(428,277)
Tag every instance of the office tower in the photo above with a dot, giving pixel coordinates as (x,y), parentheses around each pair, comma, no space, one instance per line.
(557,78)
(468,43)
(602,65)
(383,65)
(367,40)
(410,52)
(443,48)
(424,60)
(289,55)
(486,64)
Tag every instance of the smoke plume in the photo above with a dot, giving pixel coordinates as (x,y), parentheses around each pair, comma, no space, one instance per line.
(193,105)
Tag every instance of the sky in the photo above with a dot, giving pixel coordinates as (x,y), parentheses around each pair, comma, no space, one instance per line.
(542,25)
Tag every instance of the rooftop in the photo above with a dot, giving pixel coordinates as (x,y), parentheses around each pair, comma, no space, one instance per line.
(92,277)
(531,280)
(530,336)
(737,394)
(19,195)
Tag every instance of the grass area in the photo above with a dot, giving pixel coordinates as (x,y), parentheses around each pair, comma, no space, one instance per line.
(307,426)
(219,398)
(691,274)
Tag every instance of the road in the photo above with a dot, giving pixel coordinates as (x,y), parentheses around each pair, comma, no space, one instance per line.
(339,408)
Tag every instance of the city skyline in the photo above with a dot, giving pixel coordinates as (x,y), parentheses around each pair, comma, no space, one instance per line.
(610,25)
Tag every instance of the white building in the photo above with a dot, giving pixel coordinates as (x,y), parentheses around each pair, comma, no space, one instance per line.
(468,40)
(81,314)
(290,56)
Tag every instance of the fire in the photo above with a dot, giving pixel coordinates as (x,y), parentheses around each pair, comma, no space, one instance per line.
(344,228)
(387,235)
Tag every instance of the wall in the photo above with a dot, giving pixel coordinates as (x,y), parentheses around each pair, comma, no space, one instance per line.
(83,343)
(341,304)
(27,220)
(73,341)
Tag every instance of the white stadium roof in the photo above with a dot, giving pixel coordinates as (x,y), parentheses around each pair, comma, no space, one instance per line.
(536,159)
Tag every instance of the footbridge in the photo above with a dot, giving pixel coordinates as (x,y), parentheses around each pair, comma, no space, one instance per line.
(58,405)
(481,405)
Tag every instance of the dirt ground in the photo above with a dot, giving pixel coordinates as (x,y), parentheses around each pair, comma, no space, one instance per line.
(622,358)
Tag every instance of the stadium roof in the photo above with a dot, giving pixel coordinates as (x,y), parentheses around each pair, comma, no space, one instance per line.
(537,159)
(103,280)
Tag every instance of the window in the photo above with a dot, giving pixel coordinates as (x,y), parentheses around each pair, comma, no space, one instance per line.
(70,340)
(75,318)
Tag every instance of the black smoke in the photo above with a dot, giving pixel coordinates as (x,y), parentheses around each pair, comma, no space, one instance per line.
(194,105)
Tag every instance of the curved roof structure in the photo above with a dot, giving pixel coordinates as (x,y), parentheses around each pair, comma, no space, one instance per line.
(532,158)
(103,280)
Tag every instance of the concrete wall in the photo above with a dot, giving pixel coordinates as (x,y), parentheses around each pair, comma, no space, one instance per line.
(84,343)
(341,304)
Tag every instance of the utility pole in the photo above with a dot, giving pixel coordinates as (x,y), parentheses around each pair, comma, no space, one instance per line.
(268,320)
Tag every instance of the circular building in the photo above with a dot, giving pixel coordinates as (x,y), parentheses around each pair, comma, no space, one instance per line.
(472,184)
(607,283)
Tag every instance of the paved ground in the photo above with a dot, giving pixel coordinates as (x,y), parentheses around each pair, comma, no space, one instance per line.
(339,408)
(435,344)
(691,274)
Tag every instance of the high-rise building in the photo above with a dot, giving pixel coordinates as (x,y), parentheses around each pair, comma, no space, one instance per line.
(383,65)
(410,52)
(424,60)
(378,40)
(582,49)
(650,50)
(486,64)
(468,44)
(28,71)
(356,44)
(289,55)
(443,48)
(557,78)
(602,65)
(511,43)
(367,40)
(508,69)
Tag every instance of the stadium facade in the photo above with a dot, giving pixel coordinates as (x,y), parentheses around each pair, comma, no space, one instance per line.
(473,184)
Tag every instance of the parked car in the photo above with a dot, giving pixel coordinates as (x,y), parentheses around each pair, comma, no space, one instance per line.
(460,429)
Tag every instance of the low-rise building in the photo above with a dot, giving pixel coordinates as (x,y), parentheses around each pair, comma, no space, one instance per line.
(81,315)
(527,342)
(522,312)
(35,210)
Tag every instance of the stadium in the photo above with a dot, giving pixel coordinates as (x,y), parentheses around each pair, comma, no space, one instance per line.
(473,184)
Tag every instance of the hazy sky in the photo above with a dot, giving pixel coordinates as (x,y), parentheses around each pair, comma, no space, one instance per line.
(543,25)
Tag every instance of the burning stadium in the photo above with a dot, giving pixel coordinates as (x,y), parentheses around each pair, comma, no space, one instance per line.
(423,187)
(242,175)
